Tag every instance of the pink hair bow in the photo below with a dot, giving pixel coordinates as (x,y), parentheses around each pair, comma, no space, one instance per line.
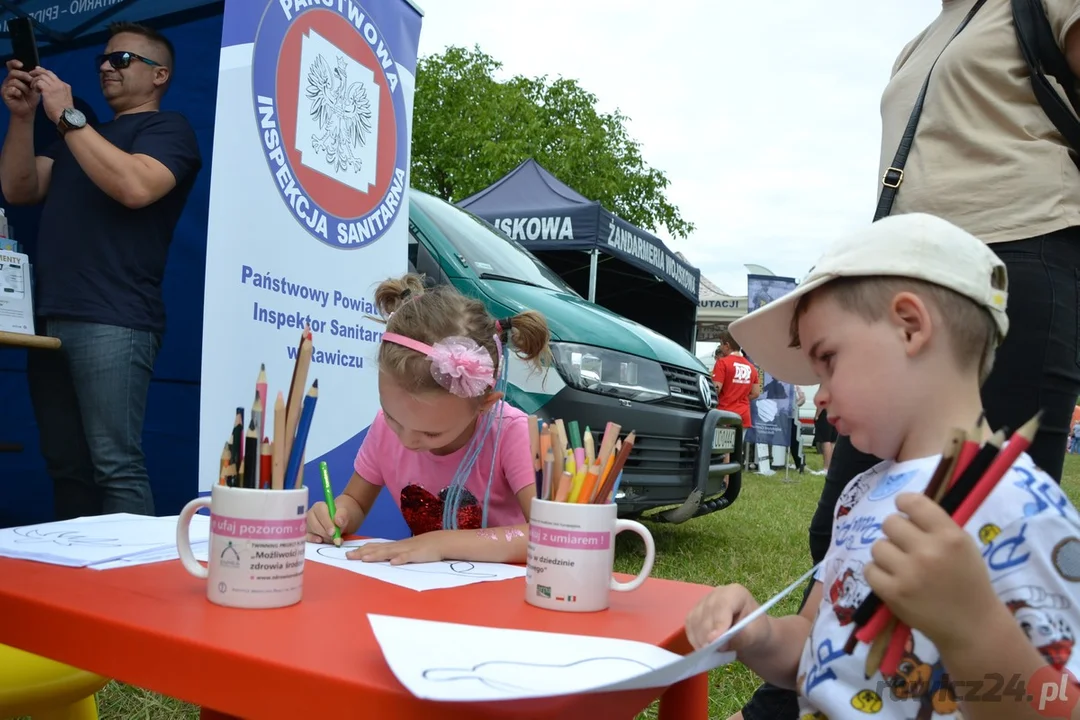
(458,364)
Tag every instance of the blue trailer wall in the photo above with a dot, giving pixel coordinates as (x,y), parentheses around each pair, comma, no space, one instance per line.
(172,421)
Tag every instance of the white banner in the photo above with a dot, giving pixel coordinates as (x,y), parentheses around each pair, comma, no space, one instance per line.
(308,212)
(774,412)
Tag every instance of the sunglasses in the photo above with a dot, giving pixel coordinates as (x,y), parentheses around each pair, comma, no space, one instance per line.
(122,59)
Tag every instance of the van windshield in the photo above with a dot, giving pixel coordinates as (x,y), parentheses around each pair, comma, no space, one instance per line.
(490,254)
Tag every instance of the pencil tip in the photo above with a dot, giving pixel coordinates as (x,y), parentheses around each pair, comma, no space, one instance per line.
(1028,429)
(262,366)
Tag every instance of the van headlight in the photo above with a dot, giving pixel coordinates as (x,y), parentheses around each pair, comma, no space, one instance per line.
(609,372)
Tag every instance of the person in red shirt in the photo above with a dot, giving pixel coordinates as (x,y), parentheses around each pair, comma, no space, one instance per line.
(736,380)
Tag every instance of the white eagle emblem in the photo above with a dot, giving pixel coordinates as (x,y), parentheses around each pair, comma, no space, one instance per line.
(342,111)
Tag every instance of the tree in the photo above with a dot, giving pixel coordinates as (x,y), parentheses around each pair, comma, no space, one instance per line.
(470,129)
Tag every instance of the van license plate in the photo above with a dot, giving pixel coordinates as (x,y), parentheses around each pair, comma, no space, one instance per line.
(724,439)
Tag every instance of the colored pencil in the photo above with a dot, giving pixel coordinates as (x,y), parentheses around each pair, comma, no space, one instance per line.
(230,477)
(880,645)
(252,459)
(328,493)
(971,447)
(226,460)
(575,434)
(886,648)
(260,390)
(607,442)
(605,459)
(961,501)
(238,438)
(960,487)
(615,488)
(295,371)
(296,454)
(266,464)
(563,492)
(608,488)
(296,392)
(543,440)
(277,462)
(560,427)
(534,442)
(256,414)
(558,457)
(589,484)
(549,475)
(1018,443)
(604,475)
(897,638)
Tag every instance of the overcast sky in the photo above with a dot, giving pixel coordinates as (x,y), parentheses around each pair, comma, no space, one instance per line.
(764,116)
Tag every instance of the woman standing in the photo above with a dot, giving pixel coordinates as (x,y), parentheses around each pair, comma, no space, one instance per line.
(824,437)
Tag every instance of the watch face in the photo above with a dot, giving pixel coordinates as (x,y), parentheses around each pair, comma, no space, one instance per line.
(74,117)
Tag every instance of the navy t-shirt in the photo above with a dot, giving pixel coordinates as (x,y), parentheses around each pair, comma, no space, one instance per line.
(97,260)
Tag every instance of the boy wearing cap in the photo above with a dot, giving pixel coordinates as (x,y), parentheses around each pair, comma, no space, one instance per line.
(899,323)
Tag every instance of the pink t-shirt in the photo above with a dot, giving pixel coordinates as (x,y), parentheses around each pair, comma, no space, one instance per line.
(418,480)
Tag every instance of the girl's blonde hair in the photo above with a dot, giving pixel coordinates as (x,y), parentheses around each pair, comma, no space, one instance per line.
(433,314)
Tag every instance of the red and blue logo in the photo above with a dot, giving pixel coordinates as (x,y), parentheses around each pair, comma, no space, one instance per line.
(330,113)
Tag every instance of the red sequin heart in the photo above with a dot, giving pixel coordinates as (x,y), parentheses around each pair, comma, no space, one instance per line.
(423,511)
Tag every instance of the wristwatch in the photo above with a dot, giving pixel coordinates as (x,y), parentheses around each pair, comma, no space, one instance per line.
(70,119)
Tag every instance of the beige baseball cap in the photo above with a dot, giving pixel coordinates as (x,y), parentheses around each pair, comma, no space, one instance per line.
(913,245)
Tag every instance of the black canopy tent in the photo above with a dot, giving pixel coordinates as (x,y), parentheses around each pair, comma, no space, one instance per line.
(600,255)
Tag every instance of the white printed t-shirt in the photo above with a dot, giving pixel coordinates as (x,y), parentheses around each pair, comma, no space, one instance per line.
(1029,533)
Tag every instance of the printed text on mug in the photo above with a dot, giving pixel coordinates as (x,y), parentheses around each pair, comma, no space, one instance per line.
(576,539)
(257,529)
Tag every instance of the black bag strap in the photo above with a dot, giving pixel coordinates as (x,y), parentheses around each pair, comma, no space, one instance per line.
(1044,57)
(894,175)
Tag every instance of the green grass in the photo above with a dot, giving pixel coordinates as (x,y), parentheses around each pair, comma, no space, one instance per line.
(760,541)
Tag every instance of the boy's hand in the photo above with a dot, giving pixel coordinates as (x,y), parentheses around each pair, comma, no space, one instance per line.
(718,611)
(930,572)
(319,527)
(422,548)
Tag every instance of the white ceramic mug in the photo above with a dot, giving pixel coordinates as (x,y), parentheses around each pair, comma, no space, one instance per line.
(571,555)
(256,549)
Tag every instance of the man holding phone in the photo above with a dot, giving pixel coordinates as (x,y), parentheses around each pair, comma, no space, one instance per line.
(112,196)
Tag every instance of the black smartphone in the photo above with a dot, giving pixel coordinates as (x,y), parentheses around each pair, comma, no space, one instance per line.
(23,43)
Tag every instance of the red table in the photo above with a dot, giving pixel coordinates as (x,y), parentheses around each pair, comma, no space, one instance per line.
(152,626)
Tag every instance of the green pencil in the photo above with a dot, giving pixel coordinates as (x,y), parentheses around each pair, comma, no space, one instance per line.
(329,492)
(575,435)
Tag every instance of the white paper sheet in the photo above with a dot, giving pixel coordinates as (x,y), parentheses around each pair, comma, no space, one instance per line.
(97,540)
(467,663)
(199,549)
(415,576)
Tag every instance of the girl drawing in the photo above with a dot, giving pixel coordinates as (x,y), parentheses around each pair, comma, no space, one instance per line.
(454,455)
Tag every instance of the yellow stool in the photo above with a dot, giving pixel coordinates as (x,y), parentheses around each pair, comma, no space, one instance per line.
(45,689)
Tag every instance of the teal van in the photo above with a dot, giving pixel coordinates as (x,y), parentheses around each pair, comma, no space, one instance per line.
(606,368)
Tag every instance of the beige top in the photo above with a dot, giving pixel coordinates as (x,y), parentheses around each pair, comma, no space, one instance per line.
(985,157)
